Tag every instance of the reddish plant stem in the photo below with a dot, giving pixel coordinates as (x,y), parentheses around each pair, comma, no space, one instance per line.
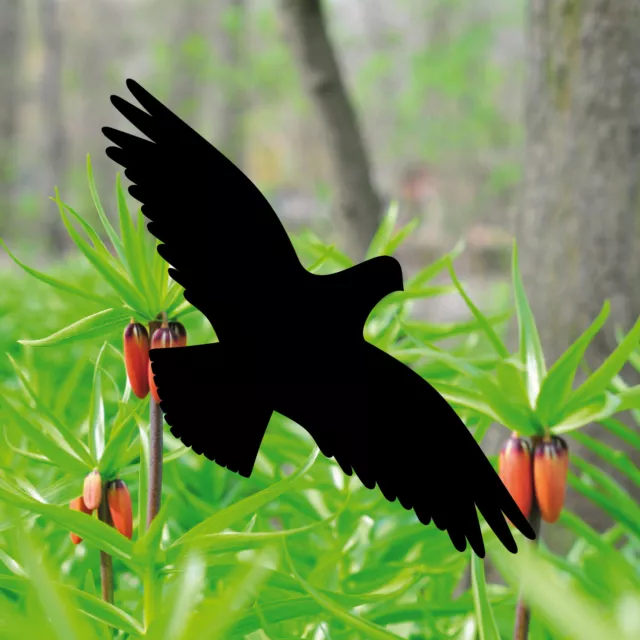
(106,561)
(523,613)
(155,451)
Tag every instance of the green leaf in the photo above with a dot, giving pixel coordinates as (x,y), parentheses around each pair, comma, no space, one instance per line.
(622,431)
(134,250)
(598,409)
(110,271)
(530,347)
(95,325)
(431,271)
(212,621)
(59,284)
(601,378)
(400,236)
(90,529)
(96,411)
(611,487)
(384,232)
(55,452)
(98,245)
(487,626)
(36,457)
(113,236)
(482,321)
(457,396)
(557,386)
(428,332)
(87,603)
(247,506)
(369,630)
(56,605)
(226,541)
(114,456)
(629,398)
(616,458)
(75,444)
(619,512)
(148,546)
(558,602)
(180,601)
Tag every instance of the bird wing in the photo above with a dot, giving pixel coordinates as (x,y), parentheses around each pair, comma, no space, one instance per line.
(394,430)
(202,207)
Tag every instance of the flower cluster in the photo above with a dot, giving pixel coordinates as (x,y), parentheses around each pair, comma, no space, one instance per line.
(539,470)
(118,499)
(136,353)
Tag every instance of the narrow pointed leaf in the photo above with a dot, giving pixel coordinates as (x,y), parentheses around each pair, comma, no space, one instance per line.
(530,347)
(557,386)
(247,506)
(93,326)
(59,284)
(113,236)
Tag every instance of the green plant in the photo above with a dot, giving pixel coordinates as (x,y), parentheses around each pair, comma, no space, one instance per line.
(294,551)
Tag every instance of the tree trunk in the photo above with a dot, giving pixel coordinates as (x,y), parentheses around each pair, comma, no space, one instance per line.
(55,164)
(10,30)
(359,207)
(578,227)
(233,107)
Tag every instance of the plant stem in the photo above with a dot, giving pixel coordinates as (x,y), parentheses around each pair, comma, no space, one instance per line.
(155,461)
(149,597)
(106,562)
(155,451)
(523,613)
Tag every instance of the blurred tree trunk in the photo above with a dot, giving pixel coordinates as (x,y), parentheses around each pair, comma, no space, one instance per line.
(359,207)
(10,31)
(233,107)
(578,227)
(55,164)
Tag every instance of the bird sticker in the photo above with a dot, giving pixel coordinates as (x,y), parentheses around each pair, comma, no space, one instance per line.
(291,342)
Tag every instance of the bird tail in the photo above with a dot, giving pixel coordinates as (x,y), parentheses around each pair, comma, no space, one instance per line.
(211,404)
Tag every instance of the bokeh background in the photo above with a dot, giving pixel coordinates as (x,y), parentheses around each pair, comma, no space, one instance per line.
(484,119)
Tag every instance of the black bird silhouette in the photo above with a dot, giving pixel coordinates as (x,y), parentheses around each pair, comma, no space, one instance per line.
(291,341)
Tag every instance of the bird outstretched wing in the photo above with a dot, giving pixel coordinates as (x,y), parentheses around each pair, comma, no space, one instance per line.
(394,430)
(201,206)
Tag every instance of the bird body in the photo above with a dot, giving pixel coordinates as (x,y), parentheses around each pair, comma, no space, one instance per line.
(305,357)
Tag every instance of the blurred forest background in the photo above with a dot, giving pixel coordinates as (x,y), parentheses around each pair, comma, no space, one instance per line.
(483,118)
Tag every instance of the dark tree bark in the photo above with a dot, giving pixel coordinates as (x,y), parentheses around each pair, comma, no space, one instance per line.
(10,31)
(233,107)
(359,207)
(56,156)
(578,227)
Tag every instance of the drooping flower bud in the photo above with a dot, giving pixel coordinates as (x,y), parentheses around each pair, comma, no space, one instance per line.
(136,358)
(514,464)
(92,491)
(77,504)
(161,339)
(550,468)
(178,334)
(120,507)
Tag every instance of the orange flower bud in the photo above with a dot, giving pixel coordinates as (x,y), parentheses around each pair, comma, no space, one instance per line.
(550,467)
(77,504)
(161,339)
(136,357)
(178,334)
(514,464)
(92,492)
(120,507)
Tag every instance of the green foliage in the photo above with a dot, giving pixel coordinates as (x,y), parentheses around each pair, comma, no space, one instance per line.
(298,550)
